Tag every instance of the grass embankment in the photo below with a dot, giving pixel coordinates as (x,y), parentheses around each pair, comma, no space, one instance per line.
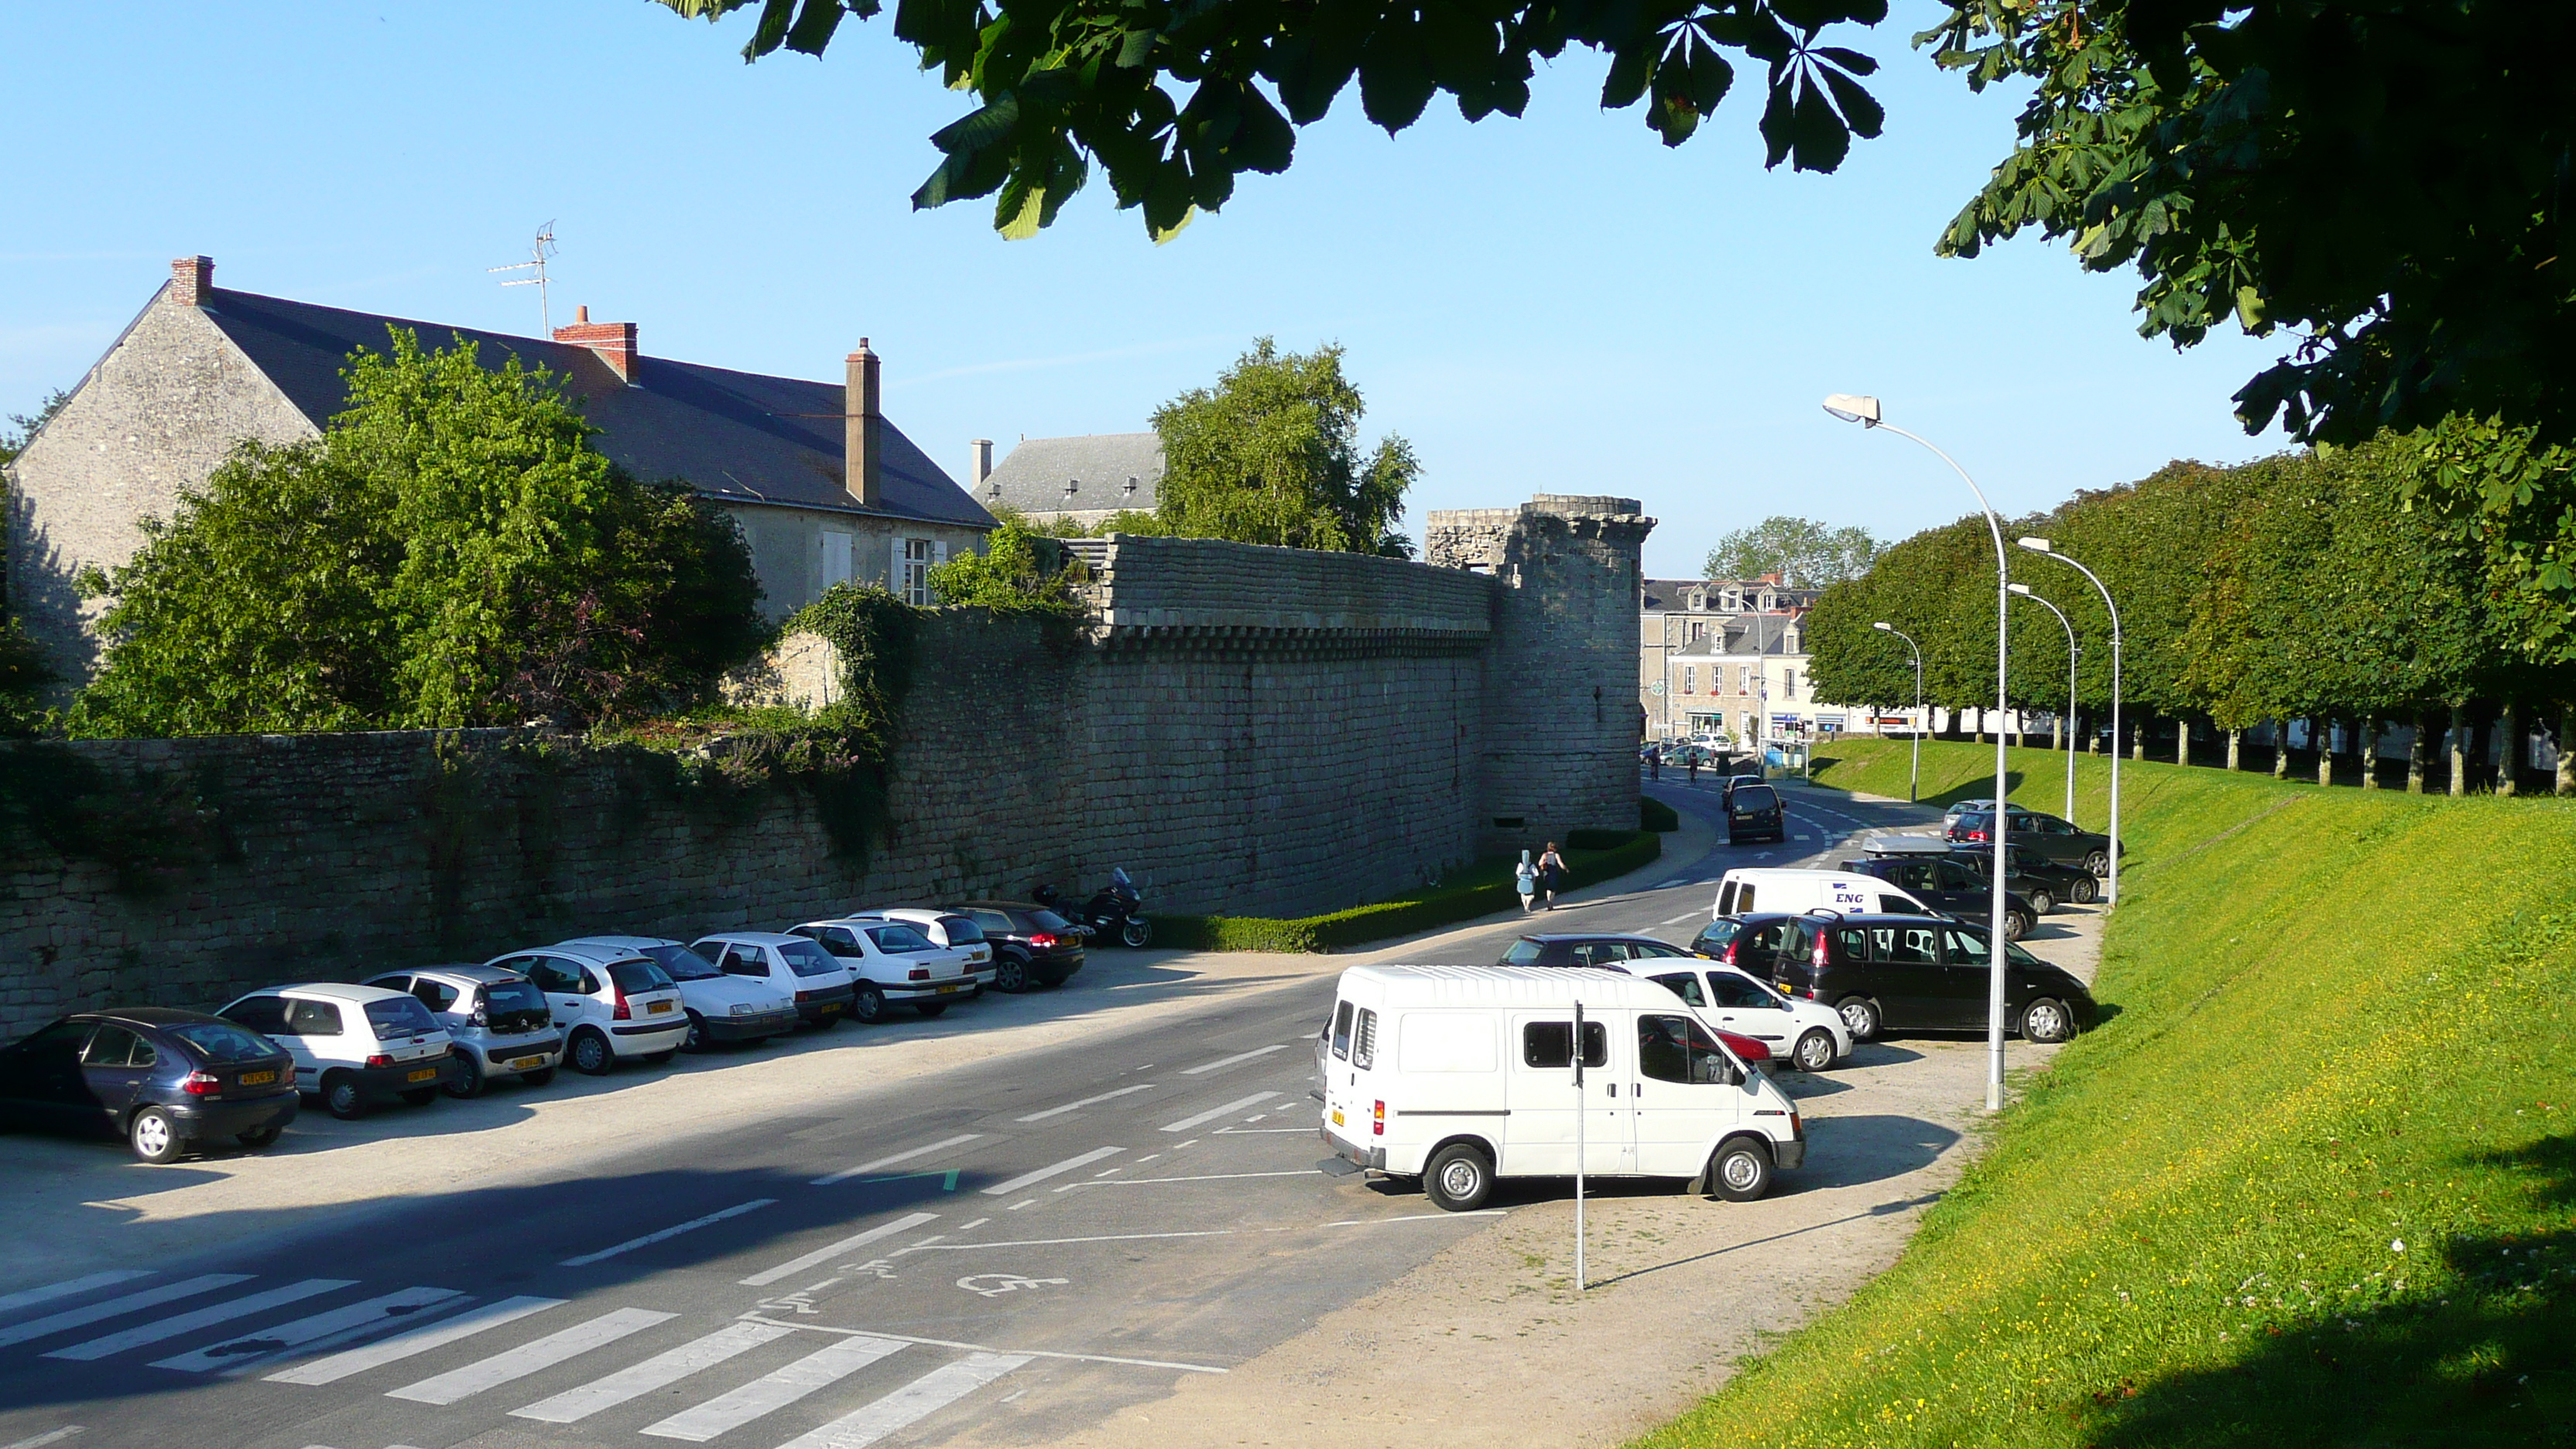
(2314,1183)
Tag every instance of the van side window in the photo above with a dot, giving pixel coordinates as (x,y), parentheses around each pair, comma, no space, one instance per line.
(1342,1031)
(1902,945)
(1743,900)
(1551,1044)
(1852,942)
(1726,899)
(1966,950)
(1364,1040)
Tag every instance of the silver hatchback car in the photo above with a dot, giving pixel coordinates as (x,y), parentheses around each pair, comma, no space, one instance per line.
(498,1021)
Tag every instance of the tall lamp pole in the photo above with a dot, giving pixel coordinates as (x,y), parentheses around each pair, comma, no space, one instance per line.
(2073,652)
(2111,895)
(1913,780)
(1864,411)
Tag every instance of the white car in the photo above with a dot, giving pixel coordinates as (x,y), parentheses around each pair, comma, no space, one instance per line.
(1808,1035)
(892,963)
(950,929)
(610,1003)
(817,982)
(722,1007)
(353,1045)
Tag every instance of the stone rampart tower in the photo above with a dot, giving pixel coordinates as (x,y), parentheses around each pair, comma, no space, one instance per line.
(1560,677)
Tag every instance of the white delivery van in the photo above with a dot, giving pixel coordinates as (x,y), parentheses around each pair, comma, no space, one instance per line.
(1796,892)
(1462,1074)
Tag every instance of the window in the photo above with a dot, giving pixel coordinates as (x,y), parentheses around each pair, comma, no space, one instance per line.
(509,1005)
(437,996)
(400,1016)
(1965,950)
(1551,1044)
(805,958)
(1770,601)
(548,974)
(839,940)
(114,1046)
(638,974)
(913,559)
(1652,950)
(1902,946)
(899,938)
(1788,684)
(835,564)
(312,1018)
(1743,900)
(219,1043)
(59,1044)
(1737,993)
(259,1013)
(993,921)
(1342,1031)
(1678,1049)
(1364,1040)
(1599,953)
(1524,952)
(961,931)
(1851,943)
(745,961)
(1731,601)
(1690,679)
(1684,984)
(681,964)
(1714,937)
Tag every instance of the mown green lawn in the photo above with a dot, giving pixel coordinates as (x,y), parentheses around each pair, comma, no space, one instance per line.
(2313,1183)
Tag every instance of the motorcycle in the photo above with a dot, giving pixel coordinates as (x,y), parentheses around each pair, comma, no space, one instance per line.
(1117,912)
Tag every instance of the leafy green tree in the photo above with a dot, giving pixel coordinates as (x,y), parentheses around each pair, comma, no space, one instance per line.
(1271,455)
(1018,572)
(23,671)
(452,551)
(1806,554)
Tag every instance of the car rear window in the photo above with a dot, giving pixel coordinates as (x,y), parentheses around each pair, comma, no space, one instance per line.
(899,938)
(1753,797)
(217,1042)
(1523,952)
(508,997)
(961,931)
(1046,920)
(400,1016)
(993,921)
(638,974)
(1714,937)
(807,959)
(682,964)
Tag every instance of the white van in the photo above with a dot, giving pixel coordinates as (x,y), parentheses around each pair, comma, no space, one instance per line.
(1462,1074)
(1796,892)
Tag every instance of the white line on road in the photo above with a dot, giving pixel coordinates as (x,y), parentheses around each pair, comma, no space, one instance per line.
(774,1391)
(1030,1179)
(154,1332)
(1416,1218)
(646,1241)
(149,1297)
(1221,1063)
(658,1372)
(1086,1102)
(904,1224)
(419,1340)
(1060,1242)
(529,1358)
(913,1402)
(51,1291)
(1212,1113)
(53,1436)
(1189,1368)
(1024,1202)
(1211,1177)
(970,1227)
(899,1158)
(1260,1131)
(1675,921)
(279,1340)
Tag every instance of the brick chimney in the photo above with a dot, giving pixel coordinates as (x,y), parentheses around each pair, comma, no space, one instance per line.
(612,342)
(192,280)
(862,431)
(979,466)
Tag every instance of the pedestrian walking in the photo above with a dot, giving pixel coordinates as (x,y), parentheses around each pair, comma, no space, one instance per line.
(1551,872)
(1527,879)
(1654,762)
(1692,764)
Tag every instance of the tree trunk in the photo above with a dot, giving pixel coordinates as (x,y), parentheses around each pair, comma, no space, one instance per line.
(2057,733)
(2182,739)
(2459,742)
(2418,749)
(2325,751)
(2509,751)
(2235,750)
(2567,749)
(2370,753)
(2280,749)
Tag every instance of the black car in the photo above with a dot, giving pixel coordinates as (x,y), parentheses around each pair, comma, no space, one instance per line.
(2047,883)
(2044,836)
(1032,946)
(1950,888)
(1754,812)
(1609,949)
(162,1079)
(1909,973)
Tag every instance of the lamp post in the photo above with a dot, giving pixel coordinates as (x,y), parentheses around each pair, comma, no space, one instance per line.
(2073,652)
(2111,893)
(1913,780)
(1864,411)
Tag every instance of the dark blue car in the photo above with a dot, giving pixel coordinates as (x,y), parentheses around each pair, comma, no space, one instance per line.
(162,1079)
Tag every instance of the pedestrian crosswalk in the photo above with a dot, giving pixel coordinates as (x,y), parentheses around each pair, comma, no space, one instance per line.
(465,1353)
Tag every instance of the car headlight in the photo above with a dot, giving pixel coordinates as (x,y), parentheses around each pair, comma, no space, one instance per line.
(742,1008)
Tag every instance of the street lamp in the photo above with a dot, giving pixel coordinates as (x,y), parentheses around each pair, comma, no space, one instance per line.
(1913,781)
(2111,895)
(1864,411)
(2072,652)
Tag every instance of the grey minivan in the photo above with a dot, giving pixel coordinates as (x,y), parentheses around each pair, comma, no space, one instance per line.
(498,1021)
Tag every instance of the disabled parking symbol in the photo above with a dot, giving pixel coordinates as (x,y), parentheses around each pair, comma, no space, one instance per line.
(994,1285)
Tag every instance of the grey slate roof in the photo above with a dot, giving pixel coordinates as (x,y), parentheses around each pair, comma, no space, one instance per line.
(1099,466)
(1674,594)
(735,435)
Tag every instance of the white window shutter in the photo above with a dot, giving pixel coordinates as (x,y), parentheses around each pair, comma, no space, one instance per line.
(894,565)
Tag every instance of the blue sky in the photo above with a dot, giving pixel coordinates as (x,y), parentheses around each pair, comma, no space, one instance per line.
(1553,304)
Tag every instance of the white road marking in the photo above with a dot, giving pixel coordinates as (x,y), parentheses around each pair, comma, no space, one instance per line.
(149,1297)
(658,1372)
(1087,1102)
(1669,884)
(904,1224)
(1148,1157)
(1031,1179)
(1221,1063)
(913,1402)
(1261,1131)
(864,1168)
(646,1241)
(276,1342)
(970,1227)
(11,1303)
(1024,1202)
(1187,1368)
(1677,920)
(1193,1142)
(1211,1177)
(420,1340)
(156,1331)
(50,1436)
(774,1391)
(1416,1218)
(1211,1114)
(529,1358)
(1107,1238)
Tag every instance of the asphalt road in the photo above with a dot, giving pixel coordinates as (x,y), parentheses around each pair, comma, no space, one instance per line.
(1006,1252)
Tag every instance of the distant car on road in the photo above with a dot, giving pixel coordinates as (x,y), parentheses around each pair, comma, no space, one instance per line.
(1754,812)
(354,1046)
(723,1006)
(2045,836)
(891,963)
(1032,946)
(1910,973)
(164,1080)
(609,1002)
(497,1023)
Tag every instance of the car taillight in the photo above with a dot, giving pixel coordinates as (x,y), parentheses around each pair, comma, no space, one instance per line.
(621,1013)
(202,1084)
(478,1017)
(1729,957)
(917,973)
(380,1060)
(1377,1121)
(1818,957)
(1045,941)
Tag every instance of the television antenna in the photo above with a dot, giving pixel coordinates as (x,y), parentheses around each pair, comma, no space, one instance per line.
(544,248)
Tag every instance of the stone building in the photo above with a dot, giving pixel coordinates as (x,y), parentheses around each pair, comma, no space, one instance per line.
(1690,630)
(1077,481)
(826,489)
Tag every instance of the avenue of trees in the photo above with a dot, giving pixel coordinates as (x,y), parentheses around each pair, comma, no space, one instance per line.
(2317,586)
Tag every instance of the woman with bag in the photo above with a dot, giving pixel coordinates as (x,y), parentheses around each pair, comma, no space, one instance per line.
(1527,879)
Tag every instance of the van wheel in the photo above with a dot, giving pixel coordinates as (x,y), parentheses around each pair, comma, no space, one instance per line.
(342,1099)
(1458,1178)
(869,1005)
(155,1137)
(2085,892)
(1741,1170)
(1815,1051)
(1860,1017)
(2046,1021)
(591,1055)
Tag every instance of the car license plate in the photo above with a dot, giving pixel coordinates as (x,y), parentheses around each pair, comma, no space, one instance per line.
(257,1079)
(945,990)
(657,1008)
(829,1007)
(526,1064)
(425,1074)
(1337,1116)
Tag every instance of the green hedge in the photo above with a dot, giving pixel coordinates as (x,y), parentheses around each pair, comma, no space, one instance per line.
(1482,889)
(1654,814)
